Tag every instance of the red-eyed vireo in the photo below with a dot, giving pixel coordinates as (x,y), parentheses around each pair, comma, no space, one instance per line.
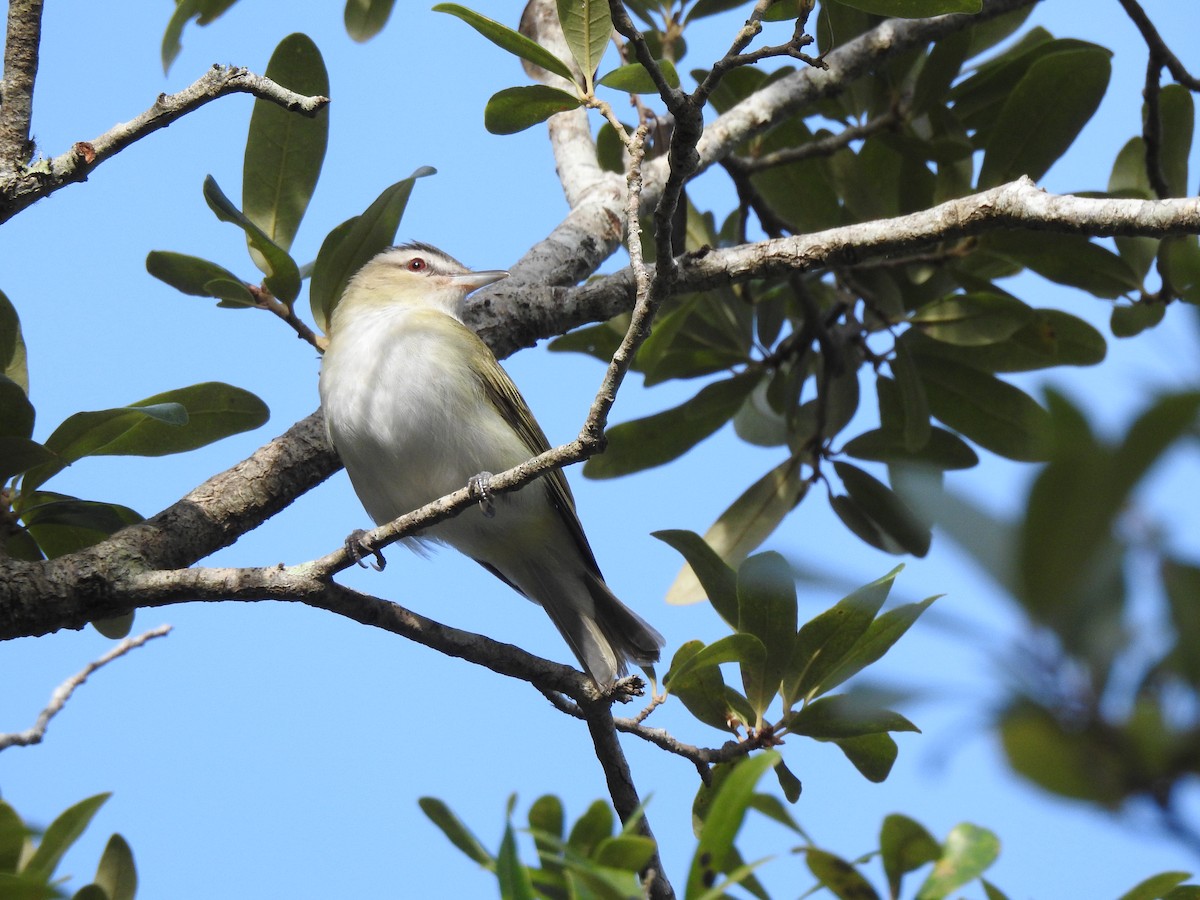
(417,406)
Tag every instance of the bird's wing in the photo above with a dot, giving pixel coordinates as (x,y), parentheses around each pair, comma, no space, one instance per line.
(512,406)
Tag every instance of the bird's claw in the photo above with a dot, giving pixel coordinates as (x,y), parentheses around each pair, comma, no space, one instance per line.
(356,546)
(481,489)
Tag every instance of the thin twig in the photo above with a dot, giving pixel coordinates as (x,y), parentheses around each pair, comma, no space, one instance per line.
(826,146)
(63,692)
(1152,126)
(44,178)
(1158,46)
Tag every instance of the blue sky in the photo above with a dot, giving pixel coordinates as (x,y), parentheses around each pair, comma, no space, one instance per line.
(267,749)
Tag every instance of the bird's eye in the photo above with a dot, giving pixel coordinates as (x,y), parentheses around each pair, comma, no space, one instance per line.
(417,264)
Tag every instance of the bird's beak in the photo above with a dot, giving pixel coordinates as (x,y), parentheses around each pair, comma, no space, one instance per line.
(473,281)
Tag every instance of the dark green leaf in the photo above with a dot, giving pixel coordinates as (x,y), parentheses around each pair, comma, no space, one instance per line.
(872,754)
(1044,114)
(600,341)
(20,454)
(591,828)
(724,819)
(12,838)
(971,320)
(1069,259)
(842,879)
(626,852)
(882,633)
(203,11)
(1179,265)
(1076,763)
(61,524)
(282,275)
(514,878)
(507,39)
(12,345)
(16,412)
(823,642)
(116,873)
(189,274)
(788,782)
(352,244)
(454,829)
(284,150)
(1178,123)
(844,716)
(1156,886)
(115,628)
(366,18)
(766,609)
(992,413)
(740,648)
(587,26)
(654,440)
(64,831)
(746,524)
(905,846)
(634,79)
(1055,339)
(1131,319)
(89,892)
(1181,584)
(517,108)
(915,9)
(718,580)
(703,693)
(172,422)
(968,852)
(944,450)
(913,403)
(886,510)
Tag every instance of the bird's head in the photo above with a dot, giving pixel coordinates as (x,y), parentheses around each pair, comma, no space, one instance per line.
(413,276)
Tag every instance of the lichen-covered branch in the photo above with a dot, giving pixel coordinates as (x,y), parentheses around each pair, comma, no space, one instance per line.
(22,45)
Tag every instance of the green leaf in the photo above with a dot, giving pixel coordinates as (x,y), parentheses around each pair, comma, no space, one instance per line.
(879,637)
(285,150)
(61,524)
(766,591)
(717,579)
(1044,114)
(16,412)
(591,828)
(1156,886)
(20,454)
(517,108)
(171,422)
(974,319)
(915,9)
(366,18)
(841,878)
(945,450)
(740,648)
(626,852)
(1178,123)
(515,883)
(724,820)
(823,642)
(352,244)
(745,525)
(905,846)
(192,275)
(660,438)
(64,831)
(990,412)
(967,854)
(913,403)
(703,693)
(507,39)
(282,275)
(788,782)
(887,511)
(1070,259)
(1129,320)
(844,716)
(90,892)
(117,874)
(872,754)
(1181,584)
(203,11)
(587,26)
(1055,339)
(13,833)
(458,833)
(634,79)
(12,345)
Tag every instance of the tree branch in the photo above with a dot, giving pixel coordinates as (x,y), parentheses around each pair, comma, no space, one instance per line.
(21,48)
(21,189)
(1158,47)
(63,692)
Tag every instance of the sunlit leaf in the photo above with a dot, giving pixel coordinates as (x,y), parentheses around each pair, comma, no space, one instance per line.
(190,274)
(517,108)
(454,829)
(507,39)
(58,837)
(634,79)
(285,150)
(967,853)
(587,26)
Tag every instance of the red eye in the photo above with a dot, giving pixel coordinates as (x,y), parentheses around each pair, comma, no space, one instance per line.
(417,264)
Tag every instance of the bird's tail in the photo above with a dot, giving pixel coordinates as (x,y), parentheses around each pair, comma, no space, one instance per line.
(608,638)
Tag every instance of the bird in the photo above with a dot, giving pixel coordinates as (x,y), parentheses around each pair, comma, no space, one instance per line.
(417,407)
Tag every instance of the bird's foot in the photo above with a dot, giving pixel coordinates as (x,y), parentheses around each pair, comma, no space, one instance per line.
(357,546)
(481,489)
